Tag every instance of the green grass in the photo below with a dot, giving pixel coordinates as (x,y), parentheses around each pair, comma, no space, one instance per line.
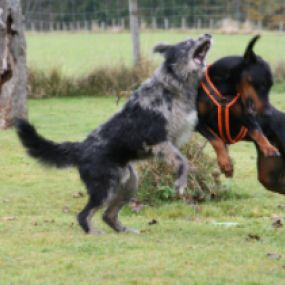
(76,54)
(42,244)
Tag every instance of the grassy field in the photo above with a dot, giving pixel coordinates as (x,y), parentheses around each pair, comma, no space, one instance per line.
(42,244)
(76,54)
(40,240)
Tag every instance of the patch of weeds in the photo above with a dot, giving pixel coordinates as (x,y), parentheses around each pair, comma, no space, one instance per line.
(157,178)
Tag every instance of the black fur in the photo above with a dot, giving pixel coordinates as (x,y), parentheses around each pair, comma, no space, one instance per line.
(60,155)
(103,153)
(128,132)
(227,74)
(119,140)
(148,124)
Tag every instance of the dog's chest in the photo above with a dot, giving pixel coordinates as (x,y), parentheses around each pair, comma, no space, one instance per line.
(182,123)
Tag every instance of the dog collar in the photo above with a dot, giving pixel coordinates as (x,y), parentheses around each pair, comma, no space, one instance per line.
(224,105)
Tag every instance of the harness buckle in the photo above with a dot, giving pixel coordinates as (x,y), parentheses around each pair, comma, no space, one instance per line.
(223,101)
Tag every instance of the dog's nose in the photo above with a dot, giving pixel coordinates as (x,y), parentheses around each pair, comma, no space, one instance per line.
(208,36)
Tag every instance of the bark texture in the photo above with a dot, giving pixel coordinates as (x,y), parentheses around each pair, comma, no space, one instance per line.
(13,68)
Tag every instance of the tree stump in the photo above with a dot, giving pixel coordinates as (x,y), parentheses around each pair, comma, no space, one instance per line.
(13,68)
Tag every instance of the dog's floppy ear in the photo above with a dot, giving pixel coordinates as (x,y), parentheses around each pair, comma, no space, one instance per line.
(249,55)
(162,48)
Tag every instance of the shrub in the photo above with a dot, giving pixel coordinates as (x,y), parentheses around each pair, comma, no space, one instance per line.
(115,80)
(110,80)
(157,178)
(42,84)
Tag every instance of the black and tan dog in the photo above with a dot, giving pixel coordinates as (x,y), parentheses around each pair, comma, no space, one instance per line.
(233,104)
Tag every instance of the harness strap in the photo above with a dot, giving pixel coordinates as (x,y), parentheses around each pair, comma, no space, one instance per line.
(223,105)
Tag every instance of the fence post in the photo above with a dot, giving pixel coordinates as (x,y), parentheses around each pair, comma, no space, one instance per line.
(134,26)
(33,27)
(123,24)
(143,25)
(259,25)
(58,26)
(94,25)
(65,26)
(281,26)
(102,26)
(166,24)
(78,25)
(74,25)
(41,26)
(183,23)
(153,23)
(86,25)
(199,24)
(211,24)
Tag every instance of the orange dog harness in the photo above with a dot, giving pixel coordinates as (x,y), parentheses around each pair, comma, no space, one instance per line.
(223,105)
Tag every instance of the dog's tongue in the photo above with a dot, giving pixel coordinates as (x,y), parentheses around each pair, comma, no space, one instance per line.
(199,60)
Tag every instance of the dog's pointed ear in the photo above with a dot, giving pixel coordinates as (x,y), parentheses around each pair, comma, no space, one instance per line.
(249,55)
(162,48)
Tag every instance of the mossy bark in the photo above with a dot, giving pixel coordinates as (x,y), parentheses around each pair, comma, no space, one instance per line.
(13,69)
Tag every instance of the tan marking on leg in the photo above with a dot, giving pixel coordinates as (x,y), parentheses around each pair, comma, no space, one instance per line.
(247,90)
(223,157)
(265,146)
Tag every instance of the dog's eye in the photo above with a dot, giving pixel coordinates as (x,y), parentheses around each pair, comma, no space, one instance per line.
(249,79)
(262,84)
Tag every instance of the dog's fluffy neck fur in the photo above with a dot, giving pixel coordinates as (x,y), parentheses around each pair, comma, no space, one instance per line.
(185,88)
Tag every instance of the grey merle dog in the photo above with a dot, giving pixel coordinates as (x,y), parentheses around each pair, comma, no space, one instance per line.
(157,118)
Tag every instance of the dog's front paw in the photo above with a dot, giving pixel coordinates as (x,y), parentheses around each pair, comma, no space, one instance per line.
(96,232)
(226,166)
(180,189)
(270,150)
(131,231)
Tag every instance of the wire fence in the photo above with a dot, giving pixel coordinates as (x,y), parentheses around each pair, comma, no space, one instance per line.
(68,15)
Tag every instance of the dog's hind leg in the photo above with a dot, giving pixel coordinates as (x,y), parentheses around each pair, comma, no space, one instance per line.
(85,216)
(97,197)
(171,155)
(128,188)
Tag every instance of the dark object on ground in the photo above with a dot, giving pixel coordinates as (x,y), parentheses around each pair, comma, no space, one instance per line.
(253,237)
(273,255)
(152,222)
(277,223)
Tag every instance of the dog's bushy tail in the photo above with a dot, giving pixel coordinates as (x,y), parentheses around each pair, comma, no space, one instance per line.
(48,152)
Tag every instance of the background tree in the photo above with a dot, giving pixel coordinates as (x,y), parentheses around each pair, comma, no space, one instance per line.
(12,63)
(113,10)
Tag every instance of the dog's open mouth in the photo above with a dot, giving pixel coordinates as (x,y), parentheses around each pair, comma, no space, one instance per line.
(201,52)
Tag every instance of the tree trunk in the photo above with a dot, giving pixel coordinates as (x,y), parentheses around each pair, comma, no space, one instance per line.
(13,69)
(134,26)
